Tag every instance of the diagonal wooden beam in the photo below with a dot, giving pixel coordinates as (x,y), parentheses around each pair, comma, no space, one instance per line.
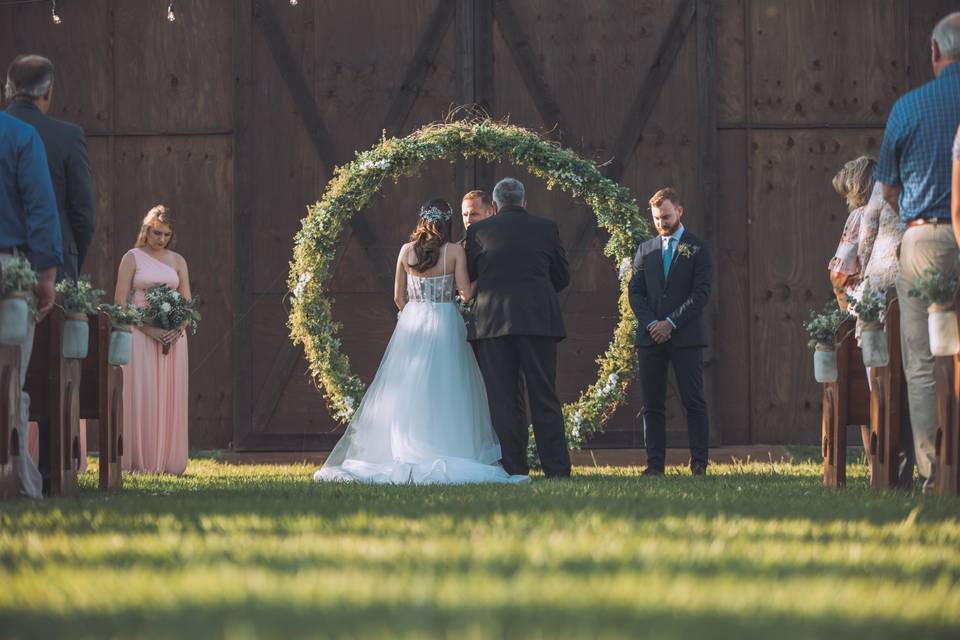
(418,68)
(286,359)
(636,121)
(653,84)
(530,69)
(292,76)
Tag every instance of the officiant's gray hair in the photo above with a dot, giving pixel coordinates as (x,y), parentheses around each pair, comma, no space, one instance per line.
(509,192)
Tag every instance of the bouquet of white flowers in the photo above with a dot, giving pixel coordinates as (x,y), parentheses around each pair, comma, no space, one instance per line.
(167,309)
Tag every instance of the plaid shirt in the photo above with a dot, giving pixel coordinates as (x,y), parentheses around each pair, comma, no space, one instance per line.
(916,150)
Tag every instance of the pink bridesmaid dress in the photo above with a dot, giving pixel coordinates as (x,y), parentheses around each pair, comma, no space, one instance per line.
(155,392)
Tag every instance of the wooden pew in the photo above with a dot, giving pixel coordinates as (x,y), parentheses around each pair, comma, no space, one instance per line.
(10,432)
(845,402)
(948,424)
(101,399)
(887,406)
(53,383)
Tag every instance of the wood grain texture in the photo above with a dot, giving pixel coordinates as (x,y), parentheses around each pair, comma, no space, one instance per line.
(173,75)
(795,224)
(194,177)
(732,249)
(824,61)
(731,63)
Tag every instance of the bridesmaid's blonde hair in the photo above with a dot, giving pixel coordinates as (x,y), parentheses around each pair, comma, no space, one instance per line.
(160,214)
(855,181)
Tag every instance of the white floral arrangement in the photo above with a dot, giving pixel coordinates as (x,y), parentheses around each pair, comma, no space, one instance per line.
(167,309)
(353,186)
(688,250)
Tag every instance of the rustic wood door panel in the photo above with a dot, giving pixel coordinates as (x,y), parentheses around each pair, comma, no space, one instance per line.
(579,71)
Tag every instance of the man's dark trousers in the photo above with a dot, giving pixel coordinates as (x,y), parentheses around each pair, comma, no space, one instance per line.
(506,362)
(688,367)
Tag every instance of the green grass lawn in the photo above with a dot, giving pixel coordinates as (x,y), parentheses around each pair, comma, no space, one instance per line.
(757,550)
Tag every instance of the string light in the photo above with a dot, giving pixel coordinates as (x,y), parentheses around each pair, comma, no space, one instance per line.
(53,12)
(171,16)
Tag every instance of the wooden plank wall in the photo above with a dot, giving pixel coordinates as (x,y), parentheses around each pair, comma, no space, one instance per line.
(156,99)
(801,86)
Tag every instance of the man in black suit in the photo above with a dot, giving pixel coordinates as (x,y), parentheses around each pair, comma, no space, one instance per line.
(669,289)
(30,87)
(519,266)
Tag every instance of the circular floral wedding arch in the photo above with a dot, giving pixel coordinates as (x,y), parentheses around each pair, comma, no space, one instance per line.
(353,185)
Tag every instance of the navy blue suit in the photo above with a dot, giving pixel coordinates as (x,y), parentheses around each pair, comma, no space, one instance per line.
(679,297)
(70,172)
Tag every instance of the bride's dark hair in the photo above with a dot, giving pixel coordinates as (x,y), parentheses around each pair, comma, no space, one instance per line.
(434,229)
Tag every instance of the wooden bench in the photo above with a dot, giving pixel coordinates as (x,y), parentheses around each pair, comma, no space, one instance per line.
(10,432)
(53,383)
(948,424)
(845,402)
(881,405)
(888,406)
(101,399)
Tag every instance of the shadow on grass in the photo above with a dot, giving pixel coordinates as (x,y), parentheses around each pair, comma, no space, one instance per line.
(736,565)
(336,619)
(757,496)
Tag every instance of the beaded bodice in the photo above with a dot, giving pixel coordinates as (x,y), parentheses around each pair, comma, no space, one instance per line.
(430,288)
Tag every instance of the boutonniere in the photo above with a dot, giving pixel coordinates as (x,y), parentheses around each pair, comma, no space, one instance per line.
(688,250)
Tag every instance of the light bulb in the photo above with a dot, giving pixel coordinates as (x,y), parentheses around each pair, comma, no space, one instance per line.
(293,3)
(171,16)
(53,12)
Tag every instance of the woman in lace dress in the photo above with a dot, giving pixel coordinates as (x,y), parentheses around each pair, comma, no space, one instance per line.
(425,418)
(867,254)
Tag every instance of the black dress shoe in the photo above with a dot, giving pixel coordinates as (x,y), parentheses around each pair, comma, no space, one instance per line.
(652,472)
(698,470)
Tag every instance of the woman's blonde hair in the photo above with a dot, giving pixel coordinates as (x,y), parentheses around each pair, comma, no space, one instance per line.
(855,181)
(159,214)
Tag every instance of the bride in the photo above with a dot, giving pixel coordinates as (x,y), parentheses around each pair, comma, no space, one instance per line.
(425,418)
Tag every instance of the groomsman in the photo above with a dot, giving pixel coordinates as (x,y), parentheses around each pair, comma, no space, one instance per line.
(30,87)
(477,205)
(669,289)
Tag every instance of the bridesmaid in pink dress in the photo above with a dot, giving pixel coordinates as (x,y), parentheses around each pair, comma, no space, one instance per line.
(155,392)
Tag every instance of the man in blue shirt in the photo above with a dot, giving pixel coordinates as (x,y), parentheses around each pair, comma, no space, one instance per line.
(914,168)
(29,226)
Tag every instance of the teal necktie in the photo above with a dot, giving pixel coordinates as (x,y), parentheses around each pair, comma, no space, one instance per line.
(668,257)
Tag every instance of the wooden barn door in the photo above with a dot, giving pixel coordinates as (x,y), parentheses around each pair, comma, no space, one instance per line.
(627,84)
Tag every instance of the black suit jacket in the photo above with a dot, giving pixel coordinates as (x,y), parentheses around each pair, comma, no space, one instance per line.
(519,266)
(681,296)
(70,172)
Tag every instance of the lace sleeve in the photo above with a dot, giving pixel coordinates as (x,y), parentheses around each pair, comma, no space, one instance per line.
(870,225)
(845,260)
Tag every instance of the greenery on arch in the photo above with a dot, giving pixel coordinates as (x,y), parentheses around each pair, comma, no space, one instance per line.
(351,189)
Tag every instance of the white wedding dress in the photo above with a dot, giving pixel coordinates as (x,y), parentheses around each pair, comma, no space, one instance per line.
(425,418)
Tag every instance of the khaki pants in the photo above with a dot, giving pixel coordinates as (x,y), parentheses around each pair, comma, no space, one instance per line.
(30,481)
(922,247)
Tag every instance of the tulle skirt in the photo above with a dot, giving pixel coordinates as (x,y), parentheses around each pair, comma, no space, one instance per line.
(425,418)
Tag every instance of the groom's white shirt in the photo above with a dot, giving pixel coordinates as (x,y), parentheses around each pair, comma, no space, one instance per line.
(663,247)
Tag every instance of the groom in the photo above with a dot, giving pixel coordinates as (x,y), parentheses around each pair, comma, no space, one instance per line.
(519,266)
(669,289)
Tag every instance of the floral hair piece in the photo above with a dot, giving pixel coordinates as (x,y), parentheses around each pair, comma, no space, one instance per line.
(433,214)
